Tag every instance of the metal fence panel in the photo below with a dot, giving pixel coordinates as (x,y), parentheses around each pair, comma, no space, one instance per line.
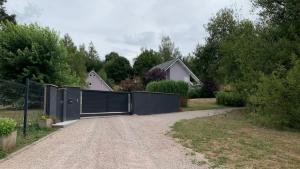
(103,101)
(154,103)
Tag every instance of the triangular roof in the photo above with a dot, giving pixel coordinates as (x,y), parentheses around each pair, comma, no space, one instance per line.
(168,64)
(100,79)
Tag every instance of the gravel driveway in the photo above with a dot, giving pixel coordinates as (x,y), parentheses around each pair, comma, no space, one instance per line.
(113,142)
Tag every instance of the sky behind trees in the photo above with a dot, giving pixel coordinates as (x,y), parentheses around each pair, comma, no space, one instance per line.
(125,26)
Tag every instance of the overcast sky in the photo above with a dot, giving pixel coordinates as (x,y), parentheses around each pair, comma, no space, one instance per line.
(125,26)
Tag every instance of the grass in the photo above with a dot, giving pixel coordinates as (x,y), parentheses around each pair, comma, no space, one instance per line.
(202,104)
(17,115)
(232,141)
(33,134)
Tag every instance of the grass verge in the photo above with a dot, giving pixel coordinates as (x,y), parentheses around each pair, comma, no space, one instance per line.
(232,141)
(202,104)
(33,134)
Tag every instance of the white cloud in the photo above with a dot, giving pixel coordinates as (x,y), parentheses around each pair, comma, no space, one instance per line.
(125,26)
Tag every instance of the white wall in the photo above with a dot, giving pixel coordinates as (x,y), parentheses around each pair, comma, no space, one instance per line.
(94,83)
(178,72)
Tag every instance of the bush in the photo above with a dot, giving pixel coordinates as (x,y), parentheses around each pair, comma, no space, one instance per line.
(154,75)
(169,86)
(230,99)
(277,100)
(131,85)
(193,93)
(7,126)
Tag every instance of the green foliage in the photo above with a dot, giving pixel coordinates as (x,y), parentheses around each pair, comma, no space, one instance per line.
(30,51)
(169,86)
(167,49)
(93,61)
(80,58)
(207,57)
(3,15)
(145,61)
(277,99)
(230,99)
(118,68)
(202,92)
(7,126)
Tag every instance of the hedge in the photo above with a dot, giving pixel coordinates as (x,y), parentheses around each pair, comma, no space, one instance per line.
(230,99)
(169,86)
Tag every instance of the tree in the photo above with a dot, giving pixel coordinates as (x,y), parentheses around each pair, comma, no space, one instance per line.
(208,56)
(145,61)
(93,61)
(31,51)
(3,15)
(167,49)
(111,56)
(155,75)
(118,68)
(80,58)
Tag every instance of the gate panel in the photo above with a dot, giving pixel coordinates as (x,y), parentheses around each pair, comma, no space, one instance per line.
(103,101)
(117,102)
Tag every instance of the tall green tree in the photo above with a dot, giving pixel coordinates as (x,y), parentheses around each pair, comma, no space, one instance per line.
(208,56)
(4,16)
(167,49)
(93,61)
(76,59)
(147,59)
(31,51)
(118,68)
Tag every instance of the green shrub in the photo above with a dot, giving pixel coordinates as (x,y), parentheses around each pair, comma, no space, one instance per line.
(169,86)
(276,102)
(7,126)
(230,99)
(193,93)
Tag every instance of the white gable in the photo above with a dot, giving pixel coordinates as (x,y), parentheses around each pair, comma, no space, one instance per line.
(95,82)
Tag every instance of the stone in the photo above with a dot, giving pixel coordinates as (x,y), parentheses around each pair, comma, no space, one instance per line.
(8,142)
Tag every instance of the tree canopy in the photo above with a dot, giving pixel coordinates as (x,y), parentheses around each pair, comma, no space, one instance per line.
(4,16)
(147,59)
(117,67)
(167,49)
(30,51)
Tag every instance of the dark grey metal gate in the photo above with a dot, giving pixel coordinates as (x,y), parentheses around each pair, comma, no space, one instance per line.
(104,101)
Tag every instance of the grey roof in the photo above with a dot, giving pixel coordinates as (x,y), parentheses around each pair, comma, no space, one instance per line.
(164,66)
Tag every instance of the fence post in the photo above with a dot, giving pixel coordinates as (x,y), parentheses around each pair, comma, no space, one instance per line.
(26,106)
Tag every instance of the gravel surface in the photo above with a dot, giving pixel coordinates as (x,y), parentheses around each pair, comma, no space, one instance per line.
(113,142)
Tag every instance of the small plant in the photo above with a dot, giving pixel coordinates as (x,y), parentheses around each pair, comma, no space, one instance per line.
(7,126)
(44,117)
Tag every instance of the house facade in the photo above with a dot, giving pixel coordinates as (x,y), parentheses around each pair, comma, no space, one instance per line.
(176,70)
(95,82)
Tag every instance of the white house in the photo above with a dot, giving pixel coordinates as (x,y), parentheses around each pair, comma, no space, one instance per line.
(176,70)
(95,82)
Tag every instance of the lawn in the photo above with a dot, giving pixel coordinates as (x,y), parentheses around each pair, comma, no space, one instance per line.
(33,134)
(17,115)
(232,141)
(202,104)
